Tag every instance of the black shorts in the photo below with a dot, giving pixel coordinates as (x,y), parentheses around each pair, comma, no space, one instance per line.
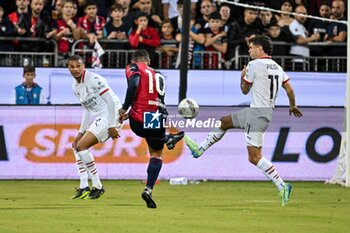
(155,138)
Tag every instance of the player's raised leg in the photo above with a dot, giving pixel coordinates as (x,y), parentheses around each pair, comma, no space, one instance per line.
(214,136)
(172,139)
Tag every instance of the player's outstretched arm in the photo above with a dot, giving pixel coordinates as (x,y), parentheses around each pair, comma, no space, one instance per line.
(291,96)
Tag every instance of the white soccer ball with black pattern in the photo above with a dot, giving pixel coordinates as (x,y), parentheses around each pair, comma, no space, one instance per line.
(188,108)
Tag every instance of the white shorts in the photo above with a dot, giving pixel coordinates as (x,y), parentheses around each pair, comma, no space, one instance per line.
(99,128)
(254,121)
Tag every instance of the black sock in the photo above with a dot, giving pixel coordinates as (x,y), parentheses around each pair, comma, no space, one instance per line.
(153,170)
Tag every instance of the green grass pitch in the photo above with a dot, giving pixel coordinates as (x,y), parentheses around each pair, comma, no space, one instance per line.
(44,206)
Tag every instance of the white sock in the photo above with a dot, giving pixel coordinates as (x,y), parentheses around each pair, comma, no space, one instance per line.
(212,138)
(270,172)
(88,159)
(84,176)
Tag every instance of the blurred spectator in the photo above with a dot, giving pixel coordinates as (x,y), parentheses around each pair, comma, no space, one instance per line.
(168,48)
(22,8)
(38,26)
(127,18)
(198,30)
(215,40)
(41,21)
(237,12)
(102,7)
(285,19)
(169,45)
(156,7)
(315,5)
(170,8)
(297,3)
(28,92)
(300,49)
(65,30)
(116,29)
(240,31)
(192,40)
(177,20)
(206,9)
(225,13)
(319,26)
(6,30)
(145,6)
(91,24)
(278,34)
(21,18)
(196,33)
(264,20)
(145,37)
(337,32)
(56,12)
(125,4)
(33,22)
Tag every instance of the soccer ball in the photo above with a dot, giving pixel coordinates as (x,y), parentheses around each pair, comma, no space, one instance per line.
(188,108)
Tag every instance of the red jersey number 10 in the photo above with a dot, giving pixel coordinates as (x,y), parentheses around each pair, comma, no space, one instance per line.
(159,80)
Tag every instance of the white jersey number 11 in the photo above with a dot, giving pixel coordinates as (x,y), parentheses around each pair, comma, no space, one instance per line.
(273,82)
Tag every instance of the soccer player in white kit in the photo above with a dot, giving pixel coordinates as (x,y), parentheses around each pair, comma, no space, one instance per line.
(264,77)
(98,100)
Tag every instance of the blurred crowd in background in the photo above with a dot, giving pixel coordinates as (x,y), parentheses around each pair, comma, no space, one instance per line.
(156,25)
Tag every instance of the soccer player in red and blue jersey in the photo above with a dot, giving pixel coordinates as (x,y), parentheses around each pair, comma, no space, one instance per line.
(145,96)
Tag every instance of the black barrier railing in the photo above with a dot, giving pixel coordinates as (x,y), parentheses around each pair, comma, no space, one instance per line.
(20,51)
(119,58)
(296,63)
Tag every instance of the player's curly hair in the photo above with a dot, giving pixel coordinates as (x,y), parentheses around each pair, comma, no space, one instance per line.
(264,41)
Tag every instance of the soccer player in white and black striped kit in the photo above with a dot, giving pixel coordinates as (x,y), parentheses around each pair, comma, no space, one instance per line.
(264,77)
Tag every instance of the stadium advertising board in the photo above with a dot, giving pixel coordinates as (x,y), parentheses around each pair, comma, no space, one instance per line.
(310,87)
(35,143)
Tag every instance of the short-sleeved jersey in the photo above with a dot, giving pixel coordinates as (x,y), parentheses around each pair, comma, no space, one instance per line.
(89,92)
(150,93)
(266,77)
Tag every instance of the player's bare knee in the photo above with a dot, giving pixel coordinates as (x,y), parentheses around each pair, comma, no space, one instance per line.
(80,147)
(254,154)
(253,160)
(156,153)
(226,123)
